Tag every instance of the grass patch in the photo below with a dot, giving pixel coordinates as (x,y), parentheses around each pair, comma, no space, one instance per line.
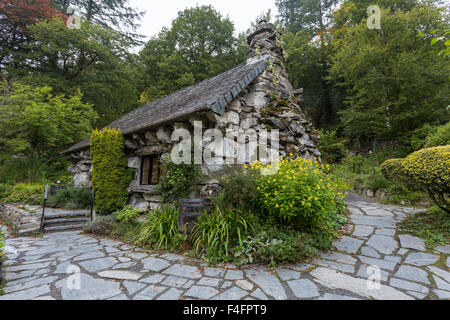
(433,226)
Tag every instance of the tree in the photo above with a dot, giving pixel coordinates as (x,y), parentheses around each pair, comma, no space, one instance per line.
(394,81)
(308,54)
(93,59)
(308,63)
(114,14)
(15,17)
(311,15)
(199,45)
(33,120)
(352,12)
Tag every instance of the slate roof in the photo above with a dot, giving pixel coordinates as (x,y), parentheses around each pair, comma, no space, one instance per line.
(213,94)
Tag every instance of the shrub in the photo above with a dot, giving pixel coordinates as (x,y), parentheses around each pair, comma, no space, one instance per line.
(110,174)
(275,246)
(102,226)
(5,190)
(161,229)
(300,194)
(71,198)
(178,180)
(32,194)
(393,170)
(238,190)
(429,170)
(440,137)
(218,232)
(127,214)
(331,147)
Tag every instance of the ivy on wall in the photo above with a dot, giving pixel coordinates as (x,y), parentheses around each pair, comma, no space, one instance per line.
(110,174)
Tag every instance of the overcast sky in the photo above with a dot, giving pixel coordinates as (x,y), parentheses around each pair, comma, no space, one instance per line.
(160,13)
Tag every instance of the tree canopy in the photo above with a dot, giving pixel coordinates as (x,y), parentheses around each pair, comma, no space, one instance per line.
(199,44)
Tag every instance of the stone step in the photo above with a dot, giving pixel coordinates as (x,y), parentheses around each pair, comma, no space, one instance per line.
(74,214)
(64,227)
(65,221)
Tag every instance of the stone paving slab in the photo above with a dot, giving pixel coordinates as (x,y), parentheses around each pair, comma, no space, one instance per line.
(371,261)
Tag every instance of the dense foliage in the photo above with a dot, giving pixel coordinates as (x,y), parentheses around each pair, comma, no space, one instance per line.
(427,170)
(32,194)
(199,45)
(178,181)
(160,230)
(110,174)
(127,214)
(36,124)
(71,198)
(218,232)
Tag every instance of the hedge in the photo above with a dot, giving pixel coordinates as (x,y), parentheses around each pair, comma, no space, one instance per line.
(427,170)
(110,174)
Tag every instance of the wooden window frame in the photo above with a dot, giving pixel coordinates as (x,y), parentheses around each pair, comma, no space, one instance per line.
(152,158)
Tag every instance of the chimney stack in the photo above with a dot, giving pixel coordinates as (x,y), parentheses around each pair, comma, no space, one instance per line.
(264,42)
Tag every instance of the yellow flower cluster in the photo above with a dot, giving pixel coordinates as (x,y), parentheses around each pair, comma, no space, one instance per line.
(301,187)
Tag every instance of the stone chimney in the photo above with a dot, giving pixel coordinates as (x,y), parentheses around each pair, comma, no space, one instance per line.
(264,45)
(281,109)
(263,42)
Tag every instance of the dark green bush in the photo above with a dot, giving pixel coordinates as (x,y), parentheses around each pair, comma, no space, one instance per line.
(378,182)
(110,175)
(102,226)
(5,190)
(160,230)
(71,198)
(333,149)
(238,190)
(440,137)
(178,181)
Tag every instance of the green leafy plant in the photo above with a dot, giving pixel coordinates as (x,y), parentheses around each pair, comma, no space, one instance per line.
(5,190)
(127,214)
(110,174)
(32,194)
(331,147)
(102,225)
(71,198)
(178,180)
(160,230)
(238,190)
(217,233)
(440,137)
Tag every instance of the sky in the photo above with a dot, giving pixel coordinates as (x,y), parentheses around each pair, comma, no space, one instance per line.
(160,13)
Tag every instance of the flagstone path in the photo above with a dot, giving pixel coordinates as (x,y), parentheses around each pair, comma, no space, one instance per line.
(72,266)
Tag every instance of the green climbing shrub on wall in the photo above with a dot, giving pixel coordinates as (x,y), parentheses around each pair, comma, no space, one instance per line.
(110,173)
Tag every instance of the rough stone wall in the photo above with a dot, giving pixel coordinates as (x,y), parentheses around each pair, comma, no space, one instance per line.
(23,222)
(269,102)
(81,169)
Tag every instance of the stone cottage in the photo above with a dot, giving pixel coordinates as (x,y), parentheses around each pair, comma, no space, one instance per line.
(254,95)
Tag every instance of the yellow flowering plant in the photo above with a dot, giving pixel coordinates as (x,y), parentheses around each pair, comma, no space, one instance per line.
(300,194)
